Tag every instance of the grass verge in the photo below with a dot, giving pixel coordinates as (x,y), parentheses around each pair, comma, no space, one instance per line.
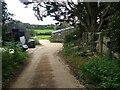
(91,69)
(11,63)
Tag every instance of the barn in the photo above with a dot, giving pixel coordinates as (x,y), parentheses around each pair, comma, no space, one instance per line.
(59,35)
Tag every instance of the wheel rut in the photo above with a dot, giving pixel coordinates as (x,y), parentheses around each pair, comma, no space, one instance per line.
(43,77)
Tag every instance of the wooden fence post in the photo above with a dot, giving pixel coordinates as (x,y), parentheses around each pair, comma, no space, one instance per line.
(101,42)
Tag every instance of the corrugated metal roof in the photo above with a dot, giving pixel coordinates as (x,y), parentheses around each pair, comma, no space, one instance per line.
(59,30)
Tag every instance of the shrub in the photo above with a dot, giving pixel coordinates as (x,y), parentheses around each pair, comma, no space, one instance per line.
(10,63)
(101,72)
(70,37)
(36,41)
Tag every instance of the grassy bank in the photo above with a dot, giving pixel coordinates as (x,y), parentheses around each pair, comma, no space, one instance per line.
(88,67)
(11,63)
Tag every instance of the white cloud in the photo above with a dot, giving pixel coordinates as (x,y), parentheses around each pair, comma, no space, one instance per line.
(25,15)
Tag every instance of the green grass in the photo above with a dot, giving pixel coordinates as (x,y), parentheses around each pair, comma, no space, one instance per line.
(40,37)
(101,72)
(11,63)
(44,37)
(36,40)
(44,31)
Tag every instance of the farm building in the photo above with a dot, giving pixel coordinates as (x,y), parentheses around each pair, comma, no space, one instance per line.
(13,32)
(59,35)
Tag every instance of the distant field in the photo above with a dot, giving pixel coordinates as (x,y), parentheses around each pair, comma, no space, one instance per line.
(47,37)
(44,31)
(43,37)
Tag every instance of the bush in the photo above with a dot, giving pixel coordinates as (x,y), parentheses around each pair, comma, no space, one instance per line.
(36,41)
(10,63)
(101,72)
(70,37)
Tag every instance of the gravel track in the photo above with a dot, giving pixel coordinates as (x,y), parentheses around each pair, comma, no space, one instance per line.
(46,69)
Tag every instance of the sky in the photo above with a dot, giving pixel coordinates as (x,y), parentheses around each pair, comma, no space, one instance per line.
(25,15)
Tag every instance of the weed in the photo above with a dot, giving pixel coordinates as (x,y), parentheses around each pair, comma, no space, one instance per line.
(11,62)
(101,72)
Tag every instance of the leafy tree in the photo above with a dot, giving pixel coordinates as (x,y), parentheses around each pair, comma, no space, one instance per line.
(8,23)
(6,18)
(113,28)
(91,15)
(62,25)
(88,16)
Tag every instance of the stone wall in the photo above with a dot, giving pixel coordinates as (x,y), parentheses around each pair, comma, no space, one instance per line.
(101,43)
